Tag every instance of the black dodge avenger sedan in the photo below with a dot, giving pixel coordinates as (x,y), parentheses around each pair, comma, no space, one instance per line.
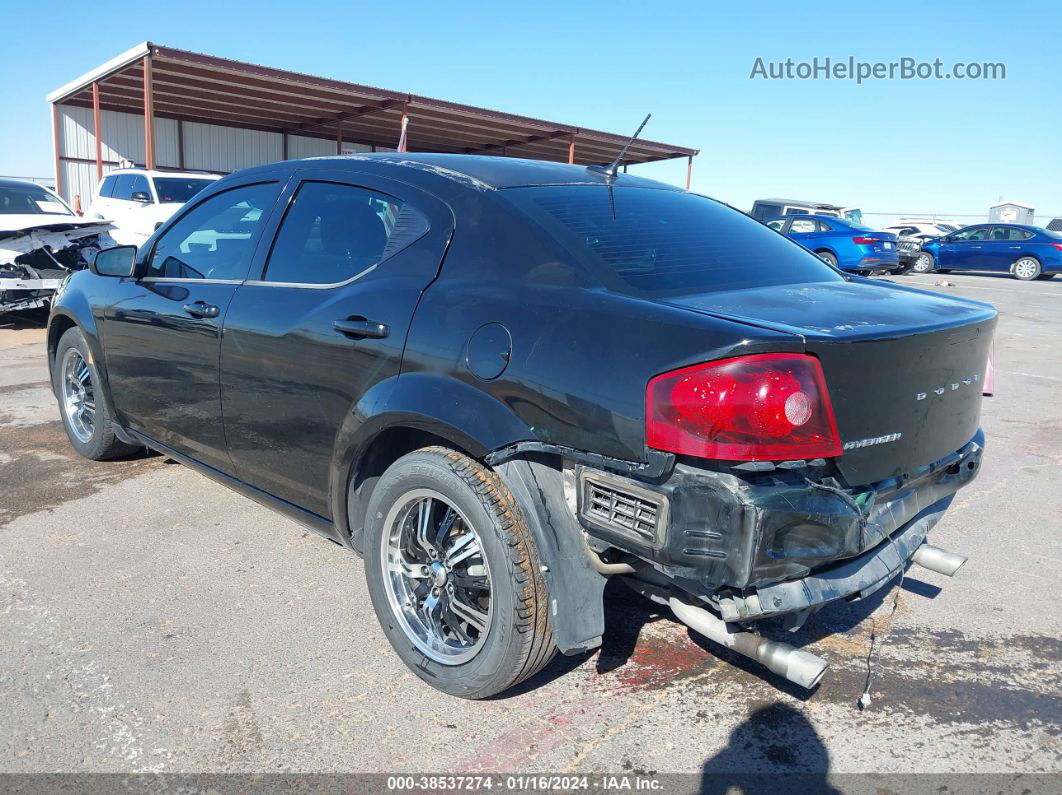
(504,381)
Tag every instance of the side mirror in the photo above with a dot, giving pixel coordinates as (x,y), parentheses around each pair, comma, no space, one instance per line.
(118,261)
(141,196)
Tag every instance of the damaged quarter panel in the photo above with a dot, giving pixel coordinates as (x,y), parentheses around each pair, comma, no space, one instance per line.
(580,356)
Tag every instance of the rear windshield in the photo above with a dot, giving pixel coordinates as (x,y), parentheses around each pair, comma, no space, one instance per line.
(663,242)
(177,189)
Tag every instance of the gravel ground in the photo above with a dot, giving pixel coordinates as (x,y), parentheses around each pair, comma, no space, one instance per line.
(152,620)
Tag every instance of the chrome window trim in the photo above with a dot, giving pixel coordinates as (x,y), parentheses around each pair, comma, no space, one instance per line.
(311,285)
(154,279)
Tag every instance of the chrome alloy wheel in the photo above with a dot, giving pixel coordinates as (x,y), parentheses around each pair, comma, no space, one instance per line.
(79,395)
(436,577)
(923,264)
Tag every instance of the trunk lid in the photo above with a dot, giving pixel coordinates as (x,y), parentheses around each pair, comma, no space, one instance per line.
(904,367)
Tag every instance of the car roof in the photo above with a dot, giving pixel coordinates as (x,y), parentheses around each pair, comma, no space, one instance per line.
(802,203)
(808,215)
(479,171)
(8,182)
(150,172)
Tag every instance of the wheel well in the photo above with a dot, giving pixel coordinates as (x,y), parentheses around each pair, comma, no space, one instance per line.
(56,330)
(386,448)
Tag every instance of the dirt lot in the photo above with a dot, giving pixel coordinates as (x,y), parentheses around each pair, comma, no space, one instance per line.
(151,620)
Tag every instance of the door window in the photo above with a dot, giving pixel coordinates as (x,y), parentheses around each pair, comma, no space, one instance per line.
(332,233)
(974,233)
(123,187)
(107,187)
(215,239)
(800,225)
(1013,233)
(139,185)
(776,224)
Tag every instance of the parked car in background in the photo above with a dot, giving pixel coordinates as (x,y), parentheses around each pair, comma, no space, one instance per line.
(763,209)
(599,375)
(909,250)
(137,200)
(923,230)
(1026,252)
(42,241)
(846,245)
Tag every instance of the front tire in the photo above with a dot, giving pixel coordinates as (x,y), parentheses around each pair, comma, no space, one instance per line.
(924,264)
(83,407)
(1026,269)
(455,576)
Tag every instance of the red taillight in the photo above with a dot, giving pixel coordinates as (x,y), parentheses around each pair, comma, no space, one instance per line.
(1057,245)
(866,241)
(762,407)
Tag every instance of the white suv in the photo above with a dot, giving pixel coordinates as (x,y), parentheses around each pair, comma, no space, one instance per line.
(137,201)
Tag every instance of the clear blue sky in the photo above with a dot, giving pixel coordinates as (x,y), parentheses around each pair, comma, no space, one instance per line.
(943,146)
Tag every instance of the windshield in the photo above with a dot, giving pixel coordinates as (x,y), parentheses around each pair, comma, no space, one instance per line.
(855,216)
(30,200)
(178,190)
(663,242)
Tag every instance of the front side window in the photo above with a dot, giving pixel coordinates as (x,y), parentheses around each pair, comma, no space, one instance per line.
(123,187)
(331,233)
(973,233)
(139,188)
(648,241)
(214,240)
(776,224)
(178,190)
(107,187)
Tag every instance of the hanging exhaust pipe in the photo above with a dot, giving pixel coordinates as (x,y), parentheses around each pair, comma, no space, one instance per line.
(795,665)
(939,560)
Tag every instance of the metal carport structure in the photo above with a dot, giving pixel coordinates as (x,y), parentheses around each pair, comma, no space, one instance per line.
(162,107)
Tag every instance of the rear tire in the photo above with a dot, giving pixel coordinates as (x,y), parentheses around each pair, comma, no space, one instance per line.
(925,263)
(460,594)
(1026,269)
(83,408)
(827,257)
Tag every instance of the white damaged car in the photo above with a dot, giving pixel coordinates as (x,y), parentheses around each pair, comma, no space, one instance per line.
(42,241)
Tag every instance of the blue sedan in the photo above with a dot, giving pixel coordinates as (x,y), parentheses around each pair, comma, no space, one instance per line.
(844,244)
(1027,252)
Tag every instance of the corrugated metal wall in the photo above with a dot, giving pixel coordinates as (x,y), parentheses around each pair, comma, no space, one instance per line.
(214,148)
(207,147)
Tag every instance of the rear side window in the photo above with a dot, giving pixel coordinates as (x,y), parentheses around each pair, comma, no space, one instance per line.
(658,242)
(332,233)
(803,225)
(215,239)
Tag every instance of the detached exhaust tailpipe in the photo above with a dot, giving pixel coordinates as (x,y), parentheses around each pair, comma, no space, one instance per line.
(795,665)
(939,560)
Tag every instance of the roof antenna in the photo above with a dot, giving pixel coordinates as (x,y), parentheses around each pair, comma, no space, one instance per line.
(610,170)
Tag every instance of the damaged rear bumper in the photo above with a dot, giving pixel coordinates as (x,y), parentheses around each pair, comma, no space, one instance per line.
(851,579)
(760,545)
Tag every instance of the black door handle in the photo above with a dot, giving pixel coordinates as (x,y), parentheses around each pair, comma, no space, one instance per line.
(201,309)
(360,328)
